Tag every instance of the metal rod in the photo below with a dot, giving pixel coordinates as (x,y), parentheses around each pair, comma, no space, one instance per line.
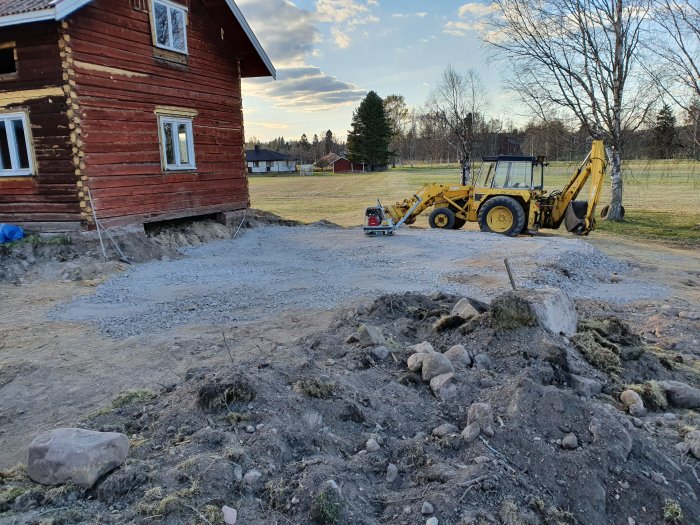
(510,273)
(97,225)
(409,212)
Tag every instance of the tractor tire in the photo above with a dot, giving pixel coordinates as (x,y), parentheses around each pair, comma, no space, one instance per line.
(410,221)
(606,209)
(502,215)
(459,223)
(442,218)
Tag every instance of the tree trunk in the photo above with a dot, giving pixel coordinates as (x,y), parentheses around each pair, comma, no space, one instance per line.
(615,213)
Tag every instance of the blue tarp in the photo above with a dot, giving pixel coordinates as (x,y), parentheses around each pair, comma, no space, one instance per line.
(10,232)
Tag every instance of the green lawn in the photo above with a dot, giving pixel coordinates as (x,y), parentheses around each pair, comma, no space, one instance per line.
(662,198)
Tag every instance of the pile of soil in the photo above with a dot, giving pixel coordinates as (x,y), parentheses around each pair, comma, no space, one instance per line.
(326,430)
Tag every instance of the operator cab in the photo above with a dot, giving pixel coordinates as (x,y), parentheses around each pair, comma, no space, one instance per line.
(514,172)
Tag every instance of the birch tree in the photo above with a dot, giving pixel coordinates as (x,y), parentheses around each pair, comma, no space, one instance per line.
(583,56)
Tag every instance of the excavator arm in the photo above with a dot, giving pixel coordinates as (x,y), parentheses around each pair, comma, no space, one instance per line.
(579,216)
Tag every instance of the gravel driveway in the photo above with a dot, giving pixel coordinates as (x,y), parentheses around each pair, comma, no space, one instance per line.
(270,269)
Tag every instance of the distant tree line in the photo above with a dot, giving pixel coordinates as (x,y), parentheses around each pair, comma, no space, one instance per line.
(303,150)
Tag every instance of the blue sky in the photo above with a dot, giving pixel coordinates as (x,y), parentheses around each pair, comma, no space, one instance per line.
(329,53)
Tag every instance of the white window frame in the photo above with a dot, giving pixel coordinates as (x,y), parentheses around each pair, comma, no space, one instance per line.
(5,119)
(176,122)
(169,6)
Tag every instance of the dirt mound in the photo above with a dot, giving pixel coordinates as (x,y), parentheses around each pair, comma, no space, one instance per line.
(327,430)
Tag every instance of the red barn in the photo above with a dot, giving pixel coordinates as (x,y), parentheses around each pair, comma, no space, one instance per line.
(339,164)
(138,101)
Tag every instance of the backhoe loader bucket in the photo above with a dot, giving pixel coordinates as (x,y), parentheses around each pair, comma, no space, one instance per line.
(575,218)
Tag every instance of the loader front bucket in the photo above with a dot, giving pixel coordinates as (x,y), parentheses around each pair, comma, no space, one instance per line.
(575,218)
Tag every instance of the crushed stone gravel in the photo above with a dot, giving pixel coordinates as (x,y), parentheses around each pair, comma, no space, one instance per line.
(275,268)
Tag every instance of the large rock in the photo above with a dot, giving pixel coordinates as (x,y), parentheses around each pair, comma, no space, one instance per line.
(464,309)
(369,335)
(435,364)
(692,440)
(458,356)
(633,402)
(75,455)
(585,386)
(415,362)
(421,348)
(551,308)
(444,386)
(681,395)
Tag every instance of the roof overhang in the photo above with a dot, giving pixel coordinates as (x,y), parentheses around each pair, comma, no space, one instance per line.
(59,9)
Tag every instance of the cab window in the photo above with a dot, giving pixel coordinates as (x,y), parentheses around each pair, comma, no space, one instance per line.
(513,174)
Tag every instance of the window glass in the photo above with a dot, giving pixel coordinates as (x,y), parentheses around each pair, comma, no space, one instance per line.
(5,162)
(169,144)
(184,147)
(512,174)
(162,27)
(7,61)
(178,21)
(20,139)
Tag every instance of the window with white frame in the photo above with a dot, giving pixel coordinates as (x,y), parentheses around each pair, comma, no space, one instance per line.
(15,145)
(177,142)
(170,25)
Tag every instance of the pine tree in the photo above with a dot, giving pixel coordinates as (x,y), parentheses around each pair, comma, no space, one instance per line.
(328,142)
(368,141)
(665,133)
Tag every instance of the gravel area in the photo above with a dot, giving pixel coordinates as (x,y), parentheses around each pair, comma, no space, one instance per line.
(271,269)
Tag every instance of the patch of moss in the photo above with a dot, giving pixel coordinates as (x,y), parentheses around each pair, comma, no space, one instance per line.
(599,352)
(327,507)
(509,311)
(314,388)
(236,417)
(652,394)
(672,511)
(8,495)
(42,240)
(154,504)
(131,397)
(215,397)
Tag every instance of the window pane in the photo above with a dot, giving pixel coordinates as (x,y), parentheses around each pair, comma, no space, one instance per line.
(169,144)
(20,139)
(160,13)
(7,61)
(184,147)
(178,21)
(5,162)
(520,175)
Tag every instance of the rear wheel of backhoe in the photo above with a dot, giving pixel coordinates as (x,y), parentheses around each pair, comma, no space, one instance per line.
(502,215)
(443,218)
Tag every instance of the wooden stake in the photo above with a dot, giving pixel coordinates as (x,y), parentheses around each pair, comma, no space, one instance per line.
(510,273)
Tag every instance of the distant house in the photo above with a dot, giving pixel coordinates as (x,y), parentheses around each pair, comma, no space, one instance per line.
(130,108)
(268,161)
(337,164)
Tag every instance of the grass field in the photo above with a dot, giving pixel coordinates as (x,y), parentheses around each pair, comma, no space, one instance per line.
(662,198)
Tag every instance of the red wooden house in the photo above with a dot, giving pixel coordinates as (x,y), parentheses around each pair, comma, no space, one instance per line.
(137,100)
(338,164)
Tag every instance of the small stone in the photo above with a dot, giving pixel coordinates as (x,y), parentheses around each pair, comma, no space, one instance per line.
(488,431)
(252,477)
(444,386)
(585,386)
(658,478)
(295,500)
(480,460)
(464,309)
(637,422)
(369,335)
(422,348)
(427,508)
(250,429)
(471,432)
(458,356)
(669,416)
(631,521)
(380,352)
(682,447)
(230,515)
(392,472)
(691,316)
(431,521)
(570,442)
(445,430)
(407,510)
(237,472)
(435,364)
(75,455)
(633,402)
(372,445)
(480,413)
(352,338)
(415,362)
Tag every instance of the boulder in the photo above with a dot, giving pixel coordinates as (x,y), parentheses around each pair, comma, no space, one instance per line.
(444,386)
(369,335)
(551,308)
(421,348)
(681,395)
(445,430)
(75,455)
(415,362)
(570,442)
(464,309)
(633,402)
(692,440)
(471,432)
(435,364)
(458,356)
(585,386)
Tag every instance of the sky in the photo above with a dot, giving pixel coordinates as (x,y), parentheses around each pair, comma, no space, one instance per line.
(330,53)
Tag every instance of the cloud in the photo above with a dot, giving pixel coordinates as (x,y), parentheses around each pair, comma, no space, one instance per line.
(472,17)
(409,15)
(276,126)
(287,32)
(346,16)
(341,39)
(305,88)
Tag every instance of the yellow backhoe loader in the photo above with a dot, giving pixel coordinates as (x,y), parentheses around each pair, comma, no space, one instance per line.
(509,198)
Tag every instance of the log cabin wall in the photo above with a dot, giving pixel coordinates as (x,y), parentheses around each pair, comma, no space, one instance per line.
(46,199)
(123,85)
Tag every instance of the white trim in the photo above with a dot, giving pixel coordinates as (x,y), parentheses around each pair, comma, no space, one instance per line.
(5,119)
(59,10)
(251,36)
(170,7)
